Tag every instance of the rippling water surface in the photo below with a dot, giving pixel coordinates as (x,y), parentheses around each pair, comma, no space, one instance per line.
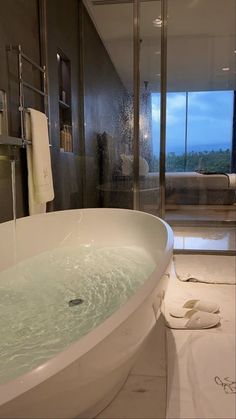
(36,321)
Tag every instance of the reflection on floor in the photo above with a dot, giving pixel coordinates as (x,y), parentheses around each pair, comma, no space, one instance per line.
(205,238)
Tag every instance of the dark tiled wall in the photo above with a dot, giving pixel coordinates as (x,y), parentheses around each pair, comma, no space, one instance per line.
(99,98)
(18,25)
(63,35)
(104,101)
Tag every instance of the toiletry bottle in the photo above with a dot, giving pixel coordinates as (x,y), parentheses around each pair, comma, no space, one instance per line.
(66,138)
(63,96)
(70,138)
(62,140)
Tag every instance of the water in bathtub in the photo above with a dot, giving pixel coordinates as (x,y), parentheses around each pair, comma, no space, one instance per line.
(51,300)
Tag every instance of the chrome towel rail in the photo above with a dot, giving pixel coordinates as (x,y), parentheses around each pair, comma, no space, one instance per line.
(25,84)
(23,141)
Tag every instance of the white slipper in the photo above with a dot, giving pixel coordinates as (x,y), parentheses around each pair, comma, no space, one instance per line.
(194,319)
(201,305)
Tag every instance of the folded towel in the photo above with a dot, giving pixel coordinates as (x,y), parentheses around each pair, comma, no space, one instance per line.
(210,172)
(206,268)
(232,180)
(40,184)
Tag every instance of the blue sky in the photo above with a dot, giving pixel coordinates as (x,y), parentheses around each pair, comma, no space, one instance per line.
(210,117)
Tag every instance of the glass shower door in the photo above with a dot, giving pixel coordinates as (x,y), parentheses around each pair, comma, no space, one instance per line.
(108,103)
(149,106)
(121,67)
(201,130)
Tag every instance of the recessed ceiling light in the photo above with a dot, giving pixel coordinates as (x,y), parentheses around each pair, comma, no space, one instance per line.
(235,51)
(225,69)
(157,22)
(158,75)
(157,52)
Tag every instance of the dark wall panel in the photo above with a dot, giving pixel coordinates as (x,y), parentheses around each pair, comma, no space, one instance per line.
(18,25)
(63,35)
(104,101)
(103,96)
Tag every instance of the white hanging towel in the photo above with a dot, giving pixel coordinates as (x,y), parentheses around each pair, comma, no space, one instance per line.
(40,183)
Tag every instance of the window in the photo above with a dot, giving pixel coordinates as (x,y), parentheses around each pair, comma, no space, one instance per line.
(198,131)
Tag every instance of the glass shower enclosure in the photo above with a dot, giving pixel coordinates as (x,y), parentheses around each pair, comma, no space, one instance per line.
(159,80)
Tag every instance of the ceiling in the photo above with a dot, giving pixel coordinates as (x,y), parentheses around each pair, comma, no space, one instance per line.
(201,42)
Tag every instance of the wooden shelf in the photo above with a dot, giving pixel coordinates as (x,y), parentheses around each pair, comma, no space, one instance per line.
(64,105)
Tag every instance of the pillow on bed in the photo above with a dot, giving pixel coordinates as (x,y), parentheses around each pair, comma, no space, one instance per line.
(127,165)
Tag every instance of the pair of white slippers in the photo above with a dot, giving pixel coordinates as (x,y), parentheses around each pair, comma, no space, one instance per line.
(195,314)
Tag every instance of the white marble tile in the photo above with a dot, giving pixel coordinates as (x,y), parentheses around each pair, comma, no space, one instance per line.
(141,397)
(205,238)
(152,360)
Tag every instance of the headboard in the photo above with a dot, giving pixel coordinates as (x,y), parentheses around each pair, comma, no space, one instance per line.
(108,157)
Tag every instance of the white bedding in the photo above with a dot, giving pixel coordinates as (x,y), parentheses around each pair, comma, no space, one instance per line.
(194,180)
(185,180)
(232,181)
(195,358)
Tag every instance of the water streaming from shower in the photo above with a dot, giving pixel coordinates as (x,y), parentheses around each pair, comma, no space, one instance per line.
(11,158)
(13,189)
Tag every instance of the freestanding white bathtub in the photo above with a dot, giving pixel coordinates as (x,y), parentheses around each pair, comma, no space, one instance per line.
(82,379)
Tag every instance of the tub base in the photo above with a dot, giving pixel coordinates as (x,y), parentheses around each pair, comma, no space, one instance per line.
(102,404)
(113,383)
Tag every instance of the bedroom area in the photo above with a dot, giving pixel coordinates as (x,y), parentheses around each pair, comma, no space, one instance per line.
(199,66)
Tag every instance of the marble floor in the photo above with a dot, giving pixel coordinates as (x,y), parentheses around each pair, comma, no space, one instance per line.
(205,238)
(144,393)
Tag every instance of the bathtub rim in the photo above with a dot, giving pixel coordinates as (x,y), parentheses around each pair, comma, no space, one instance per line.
(21,384)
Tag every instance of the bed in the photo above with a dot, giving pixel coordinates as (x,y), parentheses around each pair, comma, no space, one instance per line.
(182,188)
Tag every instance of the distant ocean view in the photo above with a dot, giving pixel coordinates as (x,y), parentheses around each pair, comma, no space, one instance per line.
(209,121)
(204,157)
(197,148)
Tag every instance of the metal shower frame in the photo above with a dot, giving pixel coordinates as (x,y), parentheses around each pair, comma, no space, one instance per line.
(163,91)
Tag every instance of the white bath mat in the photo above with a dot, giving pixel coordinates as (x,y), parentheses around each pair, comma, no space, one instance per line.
(201,375)
(212,269)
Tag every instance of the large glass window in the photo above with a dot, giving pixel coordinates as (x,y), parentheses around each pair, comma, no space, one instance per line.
(199,130)
(209,136)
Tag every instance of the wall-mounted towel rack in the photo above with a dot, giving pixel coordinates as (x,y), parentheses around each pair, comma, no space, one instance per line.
(23,141)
